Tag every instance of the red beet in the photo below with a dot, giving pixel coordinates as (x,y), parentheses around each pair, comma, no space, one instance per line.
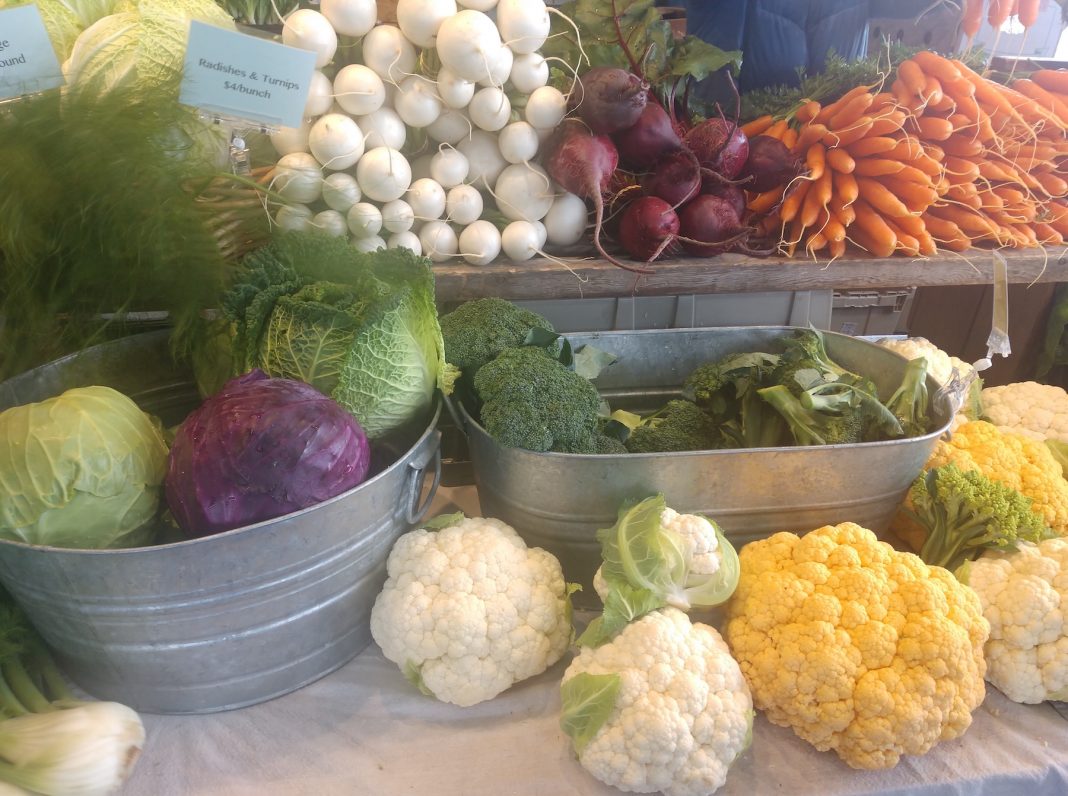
(649,226)
(770,164)
(709,225)
(609,99)
(732,193)
(583,164)
(720,146)
(642,144)
(675,178)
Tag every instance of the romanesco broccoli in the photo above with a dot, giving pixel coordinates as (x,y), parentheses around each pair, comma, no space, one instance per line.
(965,512)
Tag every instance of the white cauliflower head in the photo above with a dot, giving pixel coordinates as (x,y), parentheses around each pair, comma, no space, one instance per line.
(469,610)
(1039,411)
(672,709)
(1024,595)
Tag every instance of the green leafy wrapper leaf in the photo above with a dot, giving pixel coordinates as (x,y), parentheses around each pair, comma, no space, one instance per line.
(587,702)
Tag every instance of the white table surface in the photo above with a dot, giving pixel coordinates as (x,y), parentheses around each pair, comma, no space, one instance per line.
(365,730)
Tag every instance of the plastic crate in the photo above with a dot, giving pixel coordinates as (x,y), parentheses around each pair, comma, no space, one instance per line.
(867,313)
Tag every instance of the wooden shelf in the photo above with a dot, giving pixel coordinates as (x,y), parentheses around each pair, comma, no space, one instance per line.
(732,273)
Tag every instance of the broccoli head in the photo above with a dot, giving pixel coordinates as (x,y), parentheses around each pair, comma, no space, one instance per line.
(678,426)
(531,401)
(477,331)
(965,512)
(596,443)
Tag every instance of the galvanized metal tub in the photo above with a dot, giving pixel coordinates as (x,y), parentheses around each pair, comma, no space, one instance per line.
(224,621)
(558,501)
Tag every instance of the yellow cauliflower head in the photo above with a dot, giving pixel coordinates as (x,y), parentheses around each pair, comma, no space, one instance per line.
(856,646)
(1024,464)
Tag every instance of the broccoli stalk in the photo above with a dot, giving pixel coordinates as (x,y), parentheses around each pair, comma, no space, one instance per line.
(727,391)
(964,512)
(810,425)
(910,401)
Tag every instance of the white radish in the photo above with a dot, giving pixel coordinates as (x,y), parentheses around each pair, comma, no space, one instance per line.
(451,127)
(543,234)
(454,90)
(293,218)
(419,20)
(359,90)
(297,177)
(369,244)
(546,108)
(518,142)
(336,141)
(449,167)
(341,191)
(438,241)
(309,30)
(383,174)
(320,95)
(417,102)
(490,109)
(397,216)
(520,241)
(523,192)
(350,17)
(383,128)
(565,223)
(478,5)
(524,24)
(387,52)
(467,43)
(529,72)
(427,199)
(463,204)
(364,220)
(291,139)
(405,240)
(331,222)
(480,243)
(500,66)
(483,157)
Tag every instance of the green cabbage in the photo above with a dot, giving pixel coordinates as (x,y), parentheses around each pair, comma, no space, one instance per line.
(84,469)
(362,328)
(64,20)
(142,44)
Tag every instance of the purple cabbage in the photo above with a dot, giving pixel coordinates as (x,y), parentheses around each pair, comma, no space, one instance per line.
(261,448)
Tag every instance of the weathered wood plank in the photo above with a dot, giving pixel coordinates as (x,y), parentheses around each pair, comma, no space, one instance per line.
(544,279)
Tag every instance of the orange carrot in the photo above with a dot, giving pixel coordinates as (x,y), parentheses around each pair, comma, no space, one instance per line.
(846,188)
(912,76)
(840,160)
(880,197)
(808,111)
(936,66)
(850,112)
(1053,80)
(816,160)
(758,126)
(877,167)
(933,128)
(877,145)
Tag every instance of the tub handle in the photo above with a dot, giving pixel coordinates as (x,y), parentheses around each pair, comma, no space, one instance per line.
(414,512)
(450,406)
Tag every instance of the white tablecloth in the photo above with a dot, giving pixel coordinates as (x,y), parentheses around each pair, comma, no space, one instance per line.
(365,730)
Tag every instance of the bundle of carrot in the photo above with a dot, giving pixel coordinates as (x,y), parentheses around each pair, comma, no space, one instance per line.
(999,148)
(865,179)
(945,158)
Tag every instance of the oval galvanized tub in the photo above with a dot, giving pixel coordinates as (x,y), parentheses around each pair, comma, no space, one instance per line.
(223,621)
(558,501)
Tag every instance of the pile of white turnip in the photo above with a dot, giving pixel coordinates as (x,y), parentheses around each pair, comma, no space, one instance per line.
(416,142)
